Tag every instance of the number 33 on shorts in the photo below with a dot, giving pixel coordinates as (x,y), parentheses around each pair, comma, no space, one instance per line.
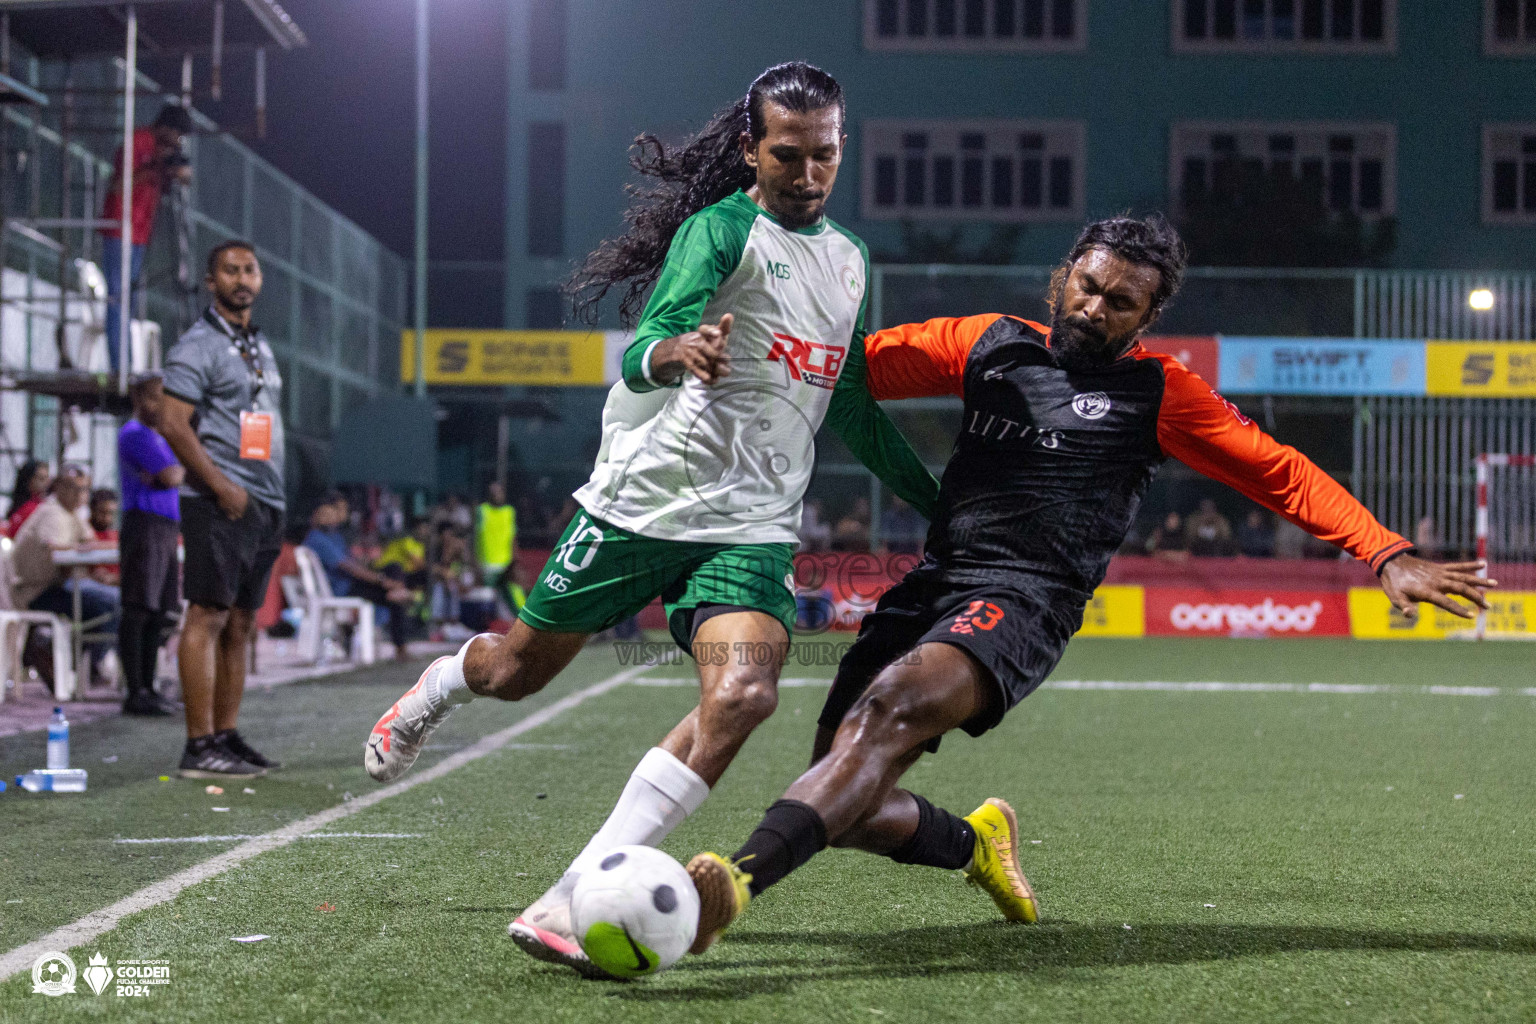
(977,615)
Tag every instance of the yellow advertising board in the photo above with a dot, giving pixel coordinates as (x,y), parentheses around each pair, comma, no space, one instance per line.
(506,357)
(1372,617)
(1485,369)
(1115,611)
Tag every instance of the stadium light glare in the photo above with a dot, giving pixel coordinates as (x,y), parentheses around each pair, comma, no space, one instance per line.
(1480,299)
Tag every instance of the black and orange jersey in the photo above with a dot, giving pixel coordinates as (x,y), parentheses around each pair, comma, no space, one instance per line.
(1050,466)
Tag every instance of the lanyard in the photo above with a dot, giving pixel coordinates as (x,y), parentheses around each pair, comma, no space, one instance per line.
(246,346)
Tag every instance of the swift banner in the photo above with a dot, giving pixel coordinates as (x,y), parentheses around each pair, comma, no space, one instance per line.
(1481,369)
(1321,366)
(508,357)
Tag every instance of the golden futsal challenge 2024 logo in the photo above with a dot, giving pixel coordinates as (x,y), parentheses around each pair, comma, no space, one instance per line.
(54,974)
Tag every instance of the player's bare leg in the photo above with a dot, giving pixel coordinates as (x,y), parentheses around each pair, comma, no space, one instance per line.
(739,655)
(509,667)
(848,797)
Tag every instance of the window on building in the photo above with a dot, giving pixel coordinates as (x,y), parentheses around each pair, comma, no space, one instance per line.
(546,189)
(546,44)
(976,24)
(544,309)
(1318,26)
(1509,174)
(1509,26)
(973,170)
(1350,167)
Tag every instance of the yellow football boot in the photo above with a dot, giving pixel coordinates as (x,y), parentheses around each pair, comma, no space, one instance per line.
(995,862)
(723,895)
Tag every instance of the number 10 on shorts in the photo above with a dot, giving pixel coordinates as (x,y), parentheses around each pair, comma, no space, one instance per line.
(571,556)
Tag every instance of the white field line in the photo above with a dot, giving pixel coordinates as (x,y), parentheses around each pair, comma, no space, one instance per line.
(1347,688)
(1194,687)
(236,838)
(104,920)
(692,682)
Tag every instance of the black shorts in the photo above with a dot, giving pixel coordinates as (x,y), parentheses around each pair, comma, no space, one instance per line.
(150,576)
(1018,637)
(229,560)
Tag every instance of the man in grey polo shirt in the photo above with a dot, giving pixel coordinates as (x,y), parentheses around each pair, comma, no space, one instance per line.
(223,419)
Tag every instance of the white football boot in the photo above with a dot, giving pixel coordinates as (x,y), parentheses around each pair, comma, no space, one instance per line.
(544,932)
(398,737)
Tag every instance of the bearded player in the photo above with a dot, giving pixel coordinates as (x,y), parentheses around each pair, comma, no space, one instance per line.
(754,333)
(1063,431)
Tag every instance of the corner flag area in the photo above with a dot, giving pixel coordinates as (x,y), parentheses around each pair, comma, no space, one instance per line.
(1227,831)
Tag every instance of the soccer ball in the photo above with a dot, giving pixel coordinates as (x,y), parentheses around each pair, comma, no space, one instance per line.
(636,913)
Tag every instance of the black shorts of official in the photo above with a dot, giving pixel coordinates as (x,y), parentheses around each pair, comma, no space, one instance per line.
(150,576)
(229,560)
(1016,636)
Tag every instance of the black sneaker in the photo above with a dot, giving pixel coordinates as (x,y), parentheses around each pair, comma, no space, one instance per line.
(212,761)
(232,741)
(150,704)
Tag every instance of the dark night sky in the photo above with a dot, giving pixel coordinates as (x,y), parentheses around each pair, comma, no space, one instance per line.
(341,116)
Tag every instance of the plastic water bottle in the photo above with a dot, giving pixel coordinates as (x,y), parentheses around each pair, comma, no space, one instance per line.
(58,741)
(40,780)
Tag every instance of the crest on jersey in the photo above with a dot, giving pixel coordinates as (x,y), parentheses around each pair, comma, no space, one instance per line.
(808,361)
(851,282)
(1091,405)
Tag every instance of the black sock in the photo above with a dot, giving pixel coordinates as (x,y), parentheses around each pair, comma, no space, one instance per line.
(790,834)
(197,744)
(942,840)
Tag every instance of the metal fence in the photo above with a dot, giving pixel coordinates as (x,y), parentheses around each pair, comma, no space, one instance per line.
(1242,300)
(1415,461)
(333,300)
(1412,461)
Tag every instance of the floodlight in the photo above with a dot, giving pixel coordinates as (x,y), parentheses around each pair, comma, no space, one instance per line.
(1480,299)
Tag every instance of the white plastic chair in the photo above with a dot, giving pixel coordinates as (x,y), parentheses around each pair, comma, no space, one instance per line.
(14,626)
(319,602)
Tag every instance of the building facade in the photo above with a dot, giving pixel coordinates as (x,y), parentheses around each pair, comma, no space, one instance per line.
(1032,115)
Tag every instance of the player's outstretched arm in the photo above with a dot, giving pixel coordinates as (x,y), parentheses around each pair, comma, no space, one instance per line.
(873,438)
(1408,580)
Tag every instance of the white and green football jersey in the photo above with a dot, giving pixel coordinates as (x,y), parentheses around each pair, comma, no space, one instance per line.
(729,463)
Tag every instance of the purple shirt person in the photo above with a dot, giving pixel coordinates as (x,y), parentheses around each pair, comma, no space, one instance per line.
(148,475)
(142,455)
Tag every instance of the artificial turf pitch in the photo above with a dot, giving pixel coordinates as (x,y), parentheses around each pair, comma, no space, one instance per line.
(1225,856)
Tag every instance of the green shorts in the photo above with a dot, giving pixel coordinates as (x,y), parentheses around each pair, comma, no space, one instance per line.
(600,575)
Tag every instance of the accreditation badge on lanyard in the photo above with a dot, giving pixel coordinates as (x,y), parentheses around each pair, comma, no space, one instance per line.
(255,427)
(256,436)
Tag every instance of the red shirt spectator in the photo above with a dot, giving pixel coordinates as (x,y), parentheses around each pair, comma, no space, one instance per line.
(32,480)
(148,184)
(157,158)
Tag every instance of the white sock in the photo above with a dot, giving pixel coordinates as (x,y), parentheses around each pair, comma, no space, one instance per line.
(452,687)
(659,795)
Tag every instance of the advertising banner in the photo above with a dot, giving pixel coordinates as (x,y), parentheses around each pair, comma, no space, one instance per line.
(1372,617)
(1482,369)
(1321,366)
(1115,611)
(1247,613)
(506,357)
(1202,355)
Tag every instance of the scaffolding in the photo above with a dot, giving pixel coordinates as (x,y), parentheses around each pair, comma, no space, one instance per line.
(71,93)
